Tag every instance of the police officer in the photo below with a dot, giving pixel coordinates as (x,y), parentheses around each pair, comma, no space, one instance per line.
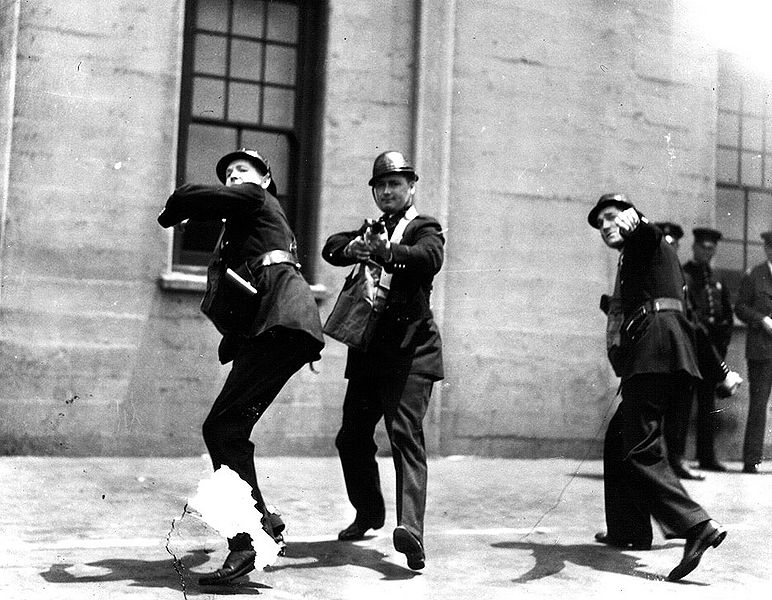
(654,355)
(713,311)
(754,307)
(260,303)
(393,378)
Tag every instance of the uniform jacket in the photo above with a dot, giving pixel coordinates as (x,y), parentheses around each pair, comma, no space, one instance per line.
(754,302)
(254,223)
(659,342)
(711,303)
(406,337)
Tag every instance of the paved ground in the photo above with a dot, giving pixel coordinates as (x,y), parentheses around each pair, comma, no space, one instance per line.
(108,527)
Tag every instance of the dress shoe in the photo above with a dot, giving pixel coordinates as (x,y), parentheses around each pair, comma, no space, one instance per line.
(358,529)
(684,472)
(698,539)
(729,386)
(712,465)
(409,545)
(605,538)
(273,525)
(751,468)
(237,563)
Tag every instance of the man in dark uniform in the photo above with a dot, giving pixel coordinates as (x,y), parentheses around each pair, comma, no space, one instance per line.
(260,303)
(393,378)
(713,311)
(653,353)
(754,307)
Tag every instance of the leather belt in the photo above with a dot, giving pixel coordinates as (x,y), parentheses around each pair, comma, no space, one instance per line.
(275,257)
(660,305)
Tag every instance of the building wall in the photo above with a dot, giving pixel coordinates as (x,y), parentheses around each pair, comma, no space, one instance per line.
(519,114)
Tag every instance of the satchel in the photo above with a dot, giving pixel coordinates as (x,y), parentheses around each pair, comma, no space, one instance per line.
(353,318)
(361,301)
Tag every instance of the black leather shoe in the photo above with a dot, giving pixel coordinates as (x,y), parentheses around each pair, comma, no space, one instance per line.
(237,563)
(273,525)
(357,530)
(712,465)
(751,468)
(705,535)
(409,545)
(604,538)
(684,472)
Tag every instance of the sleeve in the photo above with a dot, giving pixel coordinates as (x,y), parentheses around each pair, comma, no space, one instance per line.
(642,242)
(744,309)
(210,203)
(423,255)
(333,248)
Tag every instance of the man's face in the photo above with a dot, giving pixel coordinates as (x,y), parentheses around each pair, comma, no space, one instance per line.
(609,231)
(242,171)
(704,252)
(393,193)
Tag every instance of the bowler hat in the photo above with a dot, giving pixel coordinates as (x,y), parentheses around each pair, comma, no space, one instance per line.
(392,162)
(706,234)
(251,156)
(618,200)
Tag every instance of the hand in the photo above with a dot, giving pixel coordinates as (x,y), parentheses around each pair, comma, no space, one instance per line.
(627,221)
(766,324)
(358,249)
(379,244)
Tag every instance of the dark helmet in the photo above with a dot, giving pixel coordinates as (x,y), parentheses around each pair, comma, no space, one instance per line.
(618,200)
(253,157)
(391,162)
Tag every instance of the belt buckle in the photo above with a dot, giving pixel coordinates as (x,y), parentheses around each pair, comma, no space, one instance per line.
(656,306)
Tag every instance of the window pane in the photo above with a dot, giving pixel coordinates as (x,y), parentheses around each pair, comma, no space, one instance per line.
(280,65)
(754,96)
(206,145)
(726,165)
(750,173)
(729,213)
(248,17)
(209,56)
(208,97)
(728,129)
(212,14)
(753,134)
(276,149)
(759,215)
(728,90)
(729,256)
(282,22)
(246,59)
(279,107)
(244,102)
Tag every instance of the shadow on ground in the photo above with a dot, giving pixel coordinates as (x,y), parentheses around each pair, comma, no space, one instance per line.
(551,559)
(151,574)
(333,553)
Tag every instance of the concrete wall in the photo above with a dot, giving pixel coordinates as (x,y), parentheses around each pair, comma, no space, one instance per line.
(519,114)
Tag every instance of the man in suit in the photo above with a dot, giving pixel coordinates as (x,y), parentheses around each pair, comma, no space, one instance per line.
(713,312)
(754,307)
(651,347)
(393,378)
(260,303)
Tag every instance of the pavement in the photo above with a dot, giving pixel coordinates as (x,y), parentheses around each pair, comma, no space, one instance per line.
(114,528)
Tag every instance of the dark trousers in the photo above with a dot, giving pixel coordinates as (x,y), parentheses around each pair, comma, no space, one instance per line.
(261,368)
(759,387)
(402,401)
(707,423)
(638,481)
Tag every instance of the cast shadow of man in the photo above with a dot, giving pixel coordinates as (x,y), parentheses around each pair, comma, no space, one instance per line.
(334,553)
(166,573)
(550,559)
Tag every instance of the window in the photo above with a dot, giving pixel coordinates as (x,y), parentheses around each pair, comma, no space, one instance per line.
(250,75)
(743,166)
